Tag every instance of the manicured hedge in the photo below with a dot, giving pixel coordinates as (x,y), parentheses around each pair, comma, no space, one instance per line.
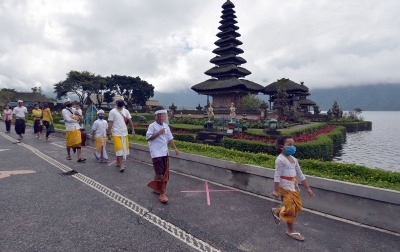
(354,126)
(322,148)
(345,172)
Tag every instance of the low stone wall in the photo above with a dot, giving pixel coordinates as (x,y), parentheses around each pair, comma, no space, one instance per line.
(364,204)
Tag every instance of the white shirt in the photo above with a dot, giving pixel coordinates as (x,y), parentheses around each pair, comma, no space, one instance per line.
(159,145)
(7,112)
(79,111)
(117,117)
(283,167)
(20,112)
(70,124)
(100,126)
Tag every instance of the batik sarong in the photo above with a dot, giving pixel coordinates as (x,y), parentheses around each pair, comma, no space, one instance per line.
(36,126)
(8,125)
(101,147)
(121,146)
(73,138)
(161,174)
(20,126)
(292,205)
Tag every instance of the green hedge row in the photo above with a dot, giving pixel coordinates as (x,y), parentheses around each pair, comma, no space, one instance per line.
(345,172)
(322,148)
(354,126)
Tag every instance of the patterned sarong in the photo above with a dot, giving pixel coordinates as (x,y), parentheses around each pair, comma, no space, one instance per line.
(161,176)
(121,146)
(36,126)
(20,126)
(73,138)
(292,205)
(101,147)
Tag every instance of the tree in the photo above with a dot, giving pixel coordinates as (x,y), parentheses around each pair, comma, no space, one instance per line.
(133,89)
(108,97)
(249,102)
(5,96)
(82,84)
(36,90)
(281,101)
(8,89)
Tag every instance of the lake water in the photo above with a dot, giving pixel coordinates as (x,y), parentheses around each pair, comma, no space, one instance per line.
(378,148)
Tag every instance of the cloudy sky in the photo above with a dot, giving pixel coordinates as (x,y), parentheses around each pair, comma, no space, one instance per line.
(169,42)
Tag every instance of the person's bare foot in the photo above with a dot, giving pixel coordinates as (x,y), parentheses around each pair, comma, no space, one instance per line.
(163,198)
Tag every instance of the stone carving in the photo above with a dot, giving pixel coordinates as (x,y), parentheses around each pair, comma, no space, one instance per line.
(210,113)
(232,113)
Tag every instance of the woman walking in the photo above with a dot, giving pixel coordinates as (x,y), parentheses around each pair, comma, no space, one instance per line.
(7,112)
(47,119)
(37,114)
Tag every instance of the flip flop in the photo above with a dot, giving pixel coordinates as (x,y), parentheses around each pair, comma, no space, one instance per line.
(81,160)
(69,158)
(276,218)
(294,237)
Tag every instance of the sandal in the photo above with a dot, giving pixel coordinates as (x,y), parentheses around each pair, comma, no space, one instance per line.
(276,218)
(69,158)
(294,237)
(81,160)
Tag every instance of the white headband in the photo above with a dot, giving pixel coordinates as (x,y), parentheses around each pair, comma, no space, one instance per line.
(100,111)
(20,101)
(163,111)
(67,100)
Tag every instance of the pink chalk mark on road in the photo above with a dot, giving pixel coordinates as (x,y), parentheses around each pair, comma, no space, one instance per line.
(207,191)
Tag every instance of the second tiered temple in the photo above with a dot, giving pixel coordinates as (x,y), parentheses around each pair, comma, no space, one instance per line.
(227,84)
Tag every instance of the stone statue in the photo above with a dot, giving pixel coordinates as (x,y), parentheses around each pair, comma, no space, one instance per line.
(335,109)
(232,113)
(316,110)
(210,113)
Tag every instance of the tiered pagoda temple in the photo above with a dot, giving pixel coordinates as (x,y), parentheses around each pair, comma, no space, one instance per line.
(227,84)
(297,94)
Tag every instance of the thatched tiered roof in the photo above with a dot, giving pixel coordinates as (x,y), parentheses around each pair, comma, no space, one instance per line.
(227,71)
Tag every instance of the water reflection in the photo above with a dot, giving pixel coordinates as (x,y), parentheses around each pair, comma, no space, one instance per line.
(378,148)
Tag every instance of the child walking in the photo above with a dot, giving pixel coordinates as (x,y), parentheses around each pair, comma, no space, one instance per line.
(100,127)
(287,175)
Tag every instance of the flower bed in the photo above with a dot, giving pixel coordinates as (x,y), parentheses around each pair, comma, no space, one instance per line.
(304,137)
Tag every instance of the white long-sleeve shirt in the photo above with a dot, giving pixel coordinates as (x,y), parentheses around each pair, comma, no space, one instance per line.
(70,124)
(283,167)
(159,145)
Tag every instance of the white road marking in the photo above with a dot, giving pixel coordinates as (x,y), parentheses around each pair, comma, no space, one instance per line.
(6,174)
(144,213)
(4,149)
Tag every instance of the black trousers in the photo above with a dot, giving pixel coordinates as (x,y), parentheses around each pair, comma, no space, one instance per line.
(46,124)
(8,125)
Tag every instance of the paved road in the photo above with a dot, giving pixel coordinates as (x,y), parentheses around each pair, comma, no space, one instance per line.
(101,209)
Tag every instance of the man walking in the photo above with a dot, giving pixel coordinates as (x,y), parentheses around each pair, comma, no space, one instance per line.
(20,116)
(118,118)
(73,134)
(158,136)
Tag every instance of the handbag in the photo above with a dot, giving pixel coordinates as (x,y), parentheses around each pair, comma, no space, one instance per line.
(51,129)
(126,120)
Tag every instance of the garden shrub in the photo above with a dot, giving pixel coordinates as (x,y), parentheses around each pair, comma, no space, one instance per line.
(354,126)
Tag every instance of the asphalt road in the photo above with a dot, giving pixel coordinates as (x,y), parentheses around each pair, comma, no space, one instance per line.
(101,209)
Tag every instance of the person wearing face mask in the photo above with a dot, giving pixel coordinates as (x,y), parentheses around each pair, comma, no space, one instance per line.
(20,115)
(73,134)
(118,118)
(158,136)
(287,175)
(99,131)
(37,114)
(7,113)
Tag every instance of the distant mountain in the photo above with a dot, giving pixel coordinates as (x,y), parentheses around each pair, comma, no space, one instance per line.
(383,97)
